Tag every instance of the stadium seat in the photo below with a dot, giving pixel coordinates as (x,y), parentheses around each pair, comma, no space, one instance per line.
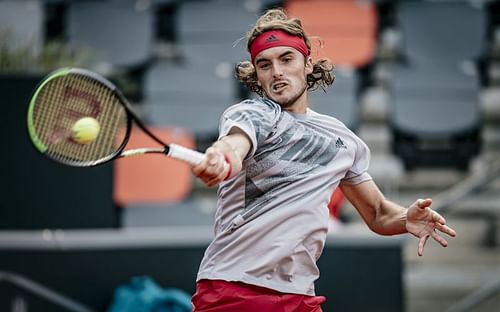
(154,178)
(348,29)
(212,56)
(181,78)
(194,91)
(187,97)
(489,62)
(339,100)
(436,120)
(215,20)
(114,33)
(198,114)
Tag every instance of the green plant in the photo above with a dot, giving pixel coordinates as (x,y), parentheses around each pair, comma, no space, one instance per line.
(52,55)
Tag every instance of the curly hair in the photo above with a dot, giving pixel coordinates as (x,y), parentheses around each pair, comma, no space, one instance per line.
(276,19)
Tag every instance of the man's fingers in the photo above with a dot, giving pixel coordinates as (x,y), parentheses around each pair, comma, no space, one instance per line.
(436,217)
(424,203)
(223,173)
(439,239)
(421,245)
(214,169)
(446,229)
(212,157)
(198,169)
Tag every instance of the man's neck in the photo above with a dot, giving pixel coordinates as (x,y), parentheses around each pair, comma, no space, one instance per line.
(299,106)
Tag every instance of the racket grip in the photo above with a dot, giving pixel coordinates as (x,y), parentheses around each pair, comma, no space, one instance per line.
(188,155)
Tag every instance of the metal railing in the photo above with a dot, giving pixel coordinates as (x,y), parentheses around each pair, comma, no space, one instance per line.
(476,298)
(443,202)
(43,292)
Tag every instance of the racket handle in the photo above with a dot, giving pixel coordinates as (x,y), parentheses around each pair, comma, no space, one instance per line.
(190,156)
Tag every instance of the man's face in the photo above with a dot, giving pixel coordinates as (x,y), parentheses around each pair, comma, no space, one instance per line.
(281,73)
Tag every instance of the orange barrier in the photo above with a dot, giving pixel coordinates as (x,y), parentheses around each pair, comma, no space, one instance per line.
(153,178)
(348,29)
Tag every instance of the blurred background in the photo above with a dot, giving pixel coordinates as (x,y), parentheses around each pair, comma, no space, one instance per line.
(419,81)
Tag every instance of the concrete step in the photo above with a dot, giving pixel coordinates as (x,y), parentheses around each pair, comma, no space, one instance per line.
(440,287)
(375,105)
(491,138)
(489,100)
(377,136)
(444,276)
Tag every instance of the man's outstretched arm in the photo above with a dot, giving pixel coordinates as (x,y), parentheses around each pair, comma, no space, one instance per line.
(388,218)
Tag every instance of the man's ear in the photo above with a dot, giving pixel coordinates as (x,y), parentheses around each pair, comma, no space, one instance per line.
(309,65)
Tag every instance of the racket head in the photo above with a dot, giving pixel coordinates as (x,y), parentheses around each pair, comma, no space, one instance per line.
(64,97)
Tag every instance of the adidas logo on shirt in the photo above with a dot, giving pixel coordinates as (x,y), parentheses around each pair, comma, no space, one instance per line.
(340,144)
(271,38)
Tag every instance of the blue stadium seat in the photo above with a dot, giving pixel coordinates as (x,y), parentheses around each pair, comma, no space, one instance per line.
(339,100)
(215,20)
(195,90)
(115,33)
(436,119)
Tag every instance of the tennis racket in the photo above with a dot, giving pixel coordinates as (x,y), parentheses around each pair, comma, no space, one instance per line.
(68,95)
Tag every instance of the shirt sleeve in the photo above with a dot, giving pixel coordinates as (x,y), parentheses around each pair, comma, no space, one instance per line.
(255,118)
(358,173)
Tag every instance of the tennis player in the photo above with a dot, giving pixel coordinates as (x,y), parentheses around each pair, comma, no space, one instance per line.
(277,162)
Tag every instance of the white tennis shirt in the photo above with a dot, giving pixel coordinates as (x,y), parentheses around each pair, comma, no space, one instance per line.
(271,220)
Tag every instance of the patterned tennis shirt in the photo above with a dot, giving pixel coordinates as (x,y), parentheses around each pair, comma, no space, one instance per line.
(271,220)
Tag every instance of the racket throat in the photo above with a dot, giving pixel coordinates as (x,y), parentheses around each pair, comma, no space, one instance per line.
(141,151)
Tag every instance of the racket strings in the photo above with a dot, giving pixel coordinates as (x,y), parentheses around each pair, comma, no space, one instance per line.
(114,124)
(95,151)
(84,153)
(66,99)
(70,150)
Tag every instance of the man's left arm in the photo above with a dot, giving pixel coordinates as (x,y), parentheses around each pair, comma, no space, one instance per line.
(388,218)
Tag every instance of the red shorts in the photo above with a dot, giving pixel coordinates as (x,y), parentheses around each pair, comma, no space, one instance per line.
(222,296)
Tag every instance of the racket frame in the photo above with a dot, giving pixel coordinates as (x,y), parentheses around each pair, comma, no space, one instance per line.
(130,117)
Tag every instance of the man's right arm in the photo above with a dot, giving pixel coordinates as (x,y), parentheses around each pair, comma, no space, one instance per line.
(224,159)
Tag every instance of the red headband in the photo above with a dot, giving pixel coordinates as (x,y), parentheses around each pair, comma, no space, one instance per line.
(277,38)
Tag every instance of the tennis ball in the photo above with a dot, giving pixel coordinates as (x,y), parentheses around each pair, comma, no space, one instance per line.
(85,130)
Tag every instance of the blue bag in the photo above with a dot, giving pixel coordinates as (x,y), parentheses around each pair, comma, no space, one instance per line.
(142,294)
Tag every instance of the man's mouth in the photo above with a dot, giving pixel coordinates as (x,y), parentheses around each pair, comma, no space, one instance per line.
(278,86)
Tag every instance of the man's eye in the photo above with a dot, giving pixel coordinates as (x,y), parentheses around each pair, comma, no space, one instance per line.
(264,66)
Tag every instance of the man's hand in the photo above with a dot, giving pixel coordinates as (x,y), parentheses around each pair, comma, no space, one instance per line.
(423,222)
(223,160)
(214,169)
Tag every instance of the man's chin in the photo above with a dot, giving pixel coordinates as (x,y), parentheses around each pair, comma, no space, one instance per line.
(281,100)
(284,102)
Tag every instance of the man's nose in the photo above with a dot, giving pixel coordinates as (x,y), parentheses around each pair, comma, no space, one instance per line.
(277,71)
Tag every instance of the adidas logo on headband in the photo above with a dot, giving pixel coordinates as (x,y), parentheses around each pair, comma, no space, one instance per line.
(271,38)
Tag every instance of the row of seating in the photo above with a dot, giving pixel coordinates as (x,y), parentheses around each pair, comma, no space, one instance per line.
(193,91)
(436,117)
(435,112)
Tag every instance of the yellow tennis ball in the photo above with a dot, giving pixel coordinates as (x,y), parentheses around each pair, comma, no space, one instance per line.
(85,130)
